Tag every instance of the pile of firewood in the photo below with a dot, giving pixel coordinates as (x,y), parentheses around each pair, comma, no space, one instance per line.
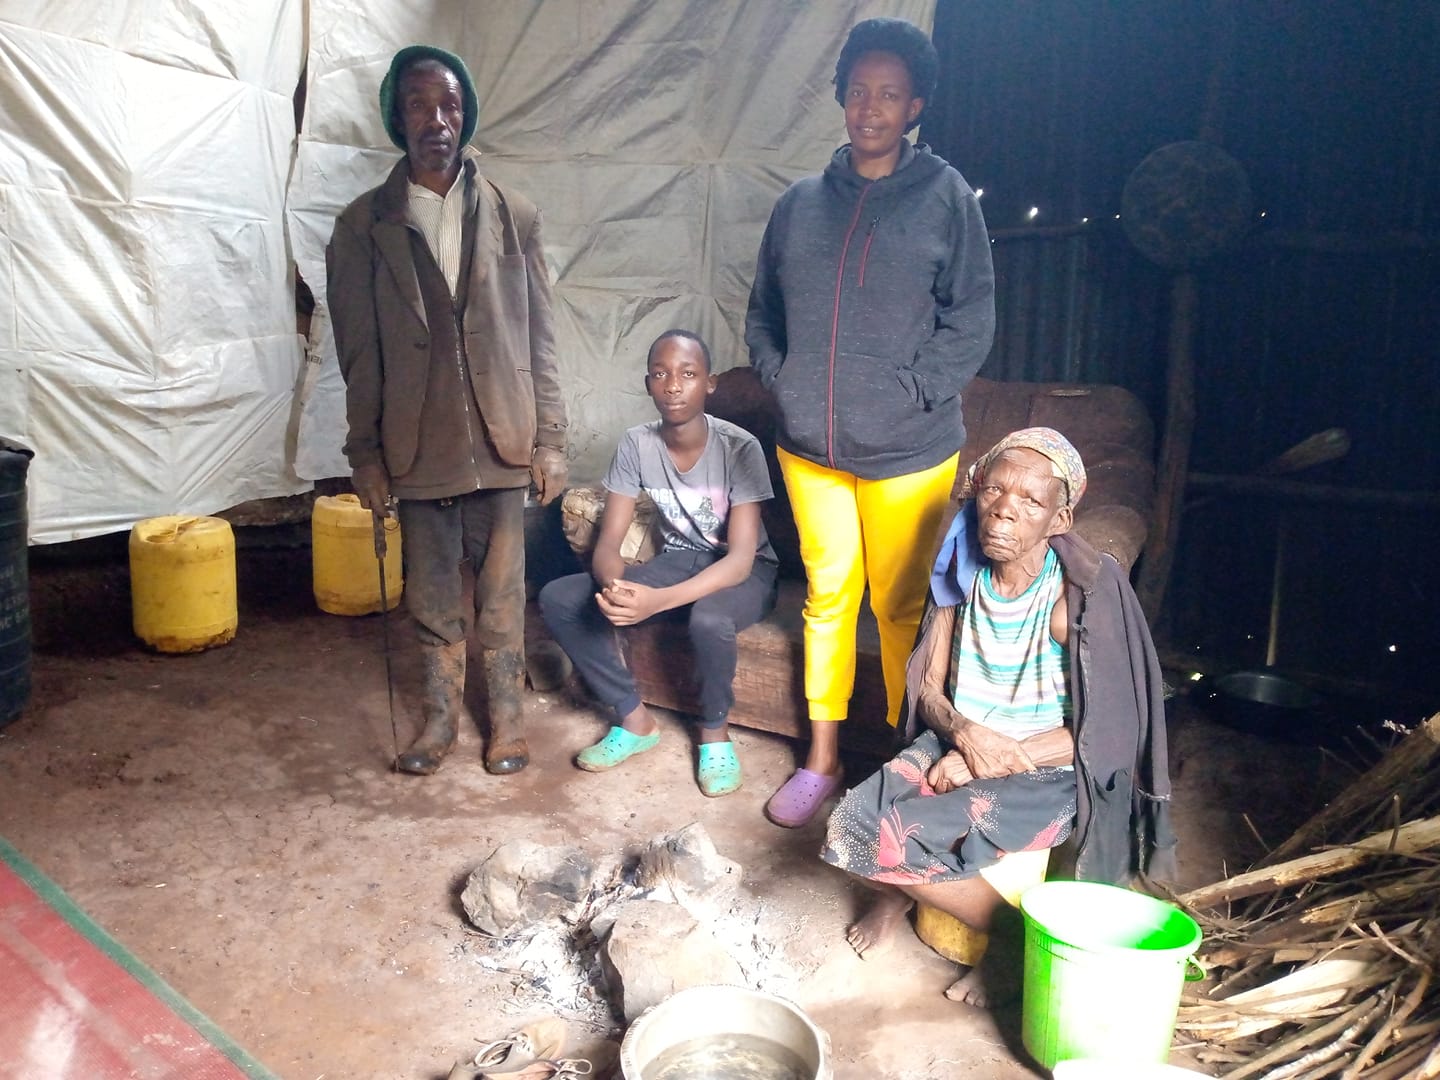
(1324,960)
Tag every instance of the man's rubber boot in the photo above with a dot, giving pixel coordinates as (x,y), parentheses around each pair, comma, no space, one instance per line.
(443,704)
(506,750)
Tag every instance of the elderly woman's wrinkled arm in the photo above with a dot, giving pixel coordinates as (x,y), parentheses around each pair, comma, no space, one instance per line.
(931,703)
(1053,747)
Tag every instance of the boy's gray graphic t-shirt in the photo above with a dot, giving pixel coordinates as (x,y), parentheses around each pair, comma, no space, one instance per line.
(695,505)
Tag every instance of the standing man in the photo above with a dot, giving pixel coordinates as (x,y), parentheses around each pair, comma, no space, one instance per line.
(440,298)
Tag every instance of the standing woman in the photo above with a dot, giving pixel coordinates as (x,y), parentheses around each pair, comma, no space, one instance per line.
(873,306)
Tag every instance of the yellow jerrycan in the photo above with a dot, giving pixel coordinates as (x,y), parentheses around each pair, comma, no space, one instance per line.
(345,574)
(182,582)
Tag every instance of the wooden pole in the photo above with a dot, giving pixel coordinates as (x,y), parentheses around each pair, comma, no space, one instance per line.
(1170,479)
(1277,577)
(1301,491)
(1159,554)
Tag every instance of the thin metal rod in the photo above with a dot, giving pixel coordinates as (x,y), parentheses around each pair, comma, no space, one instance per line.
(378,525)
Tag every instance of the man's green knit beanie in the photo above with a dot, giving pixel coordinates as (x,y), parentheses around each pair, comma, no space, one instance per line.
(402,60)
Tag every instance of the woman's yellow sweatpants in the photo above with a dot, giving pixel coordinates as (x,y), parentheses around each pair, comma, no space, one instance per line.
(853,531)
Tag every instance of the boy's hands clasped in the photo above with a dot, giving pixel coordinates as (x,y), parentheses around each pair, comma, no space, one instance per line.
(626,603)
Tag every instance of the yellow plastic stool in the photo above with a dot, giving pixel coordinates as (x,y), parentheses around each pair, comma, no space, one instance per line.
(957,942)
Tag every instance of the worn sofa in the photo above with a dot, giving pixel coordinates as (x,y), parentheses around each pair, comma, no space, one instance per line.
(1107,424)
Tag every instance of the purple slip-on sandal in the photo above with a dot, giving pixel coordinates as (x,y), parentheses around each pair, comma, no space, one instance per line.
(800,798)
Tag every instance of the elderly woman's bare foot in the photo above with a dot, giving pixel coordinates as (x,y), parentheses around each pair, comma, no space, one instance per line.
(993,982)
(873,933)
(969,988)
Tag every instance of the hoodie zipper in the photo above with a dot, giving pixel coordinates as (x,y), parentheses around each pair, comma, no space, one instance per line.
(865,254)
(835,324)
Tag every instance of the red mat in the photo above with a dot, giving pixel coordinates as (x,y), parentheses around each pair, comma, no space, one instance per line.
(75,1004)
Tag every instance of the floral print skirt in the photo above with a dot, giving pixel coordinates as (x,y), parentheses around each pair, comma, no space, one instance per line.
(894,828)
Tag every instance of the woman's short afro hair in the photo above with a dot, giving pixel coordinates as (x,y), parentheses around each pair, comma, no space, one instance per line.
(906,40)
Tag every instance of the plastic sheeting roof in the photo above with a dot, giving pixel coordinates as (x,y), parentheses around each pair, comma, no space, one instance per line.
(150,356)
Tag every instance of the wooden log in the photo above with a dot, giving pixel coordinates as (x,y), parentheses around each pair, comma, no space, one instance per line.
(1426,1029)
(1292,998)
(1323,446)
(1362,905)
(1294,931)
(1430,1068)
(1349,1023)
(1411,1063)
(1302,491)
(1376,1045)
(1408,839)
(1231,954)
(1411,759)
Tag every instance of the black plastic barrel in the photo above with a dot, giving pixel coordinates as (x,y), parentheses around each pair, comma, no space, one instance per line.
(14,582)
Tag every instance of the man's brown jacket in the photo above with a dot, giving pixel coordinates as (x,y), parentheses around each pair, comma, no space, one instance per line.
(384,341)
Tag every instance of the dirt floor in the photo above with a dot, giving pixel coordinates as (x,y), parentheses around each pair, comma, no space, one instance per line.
(230,818)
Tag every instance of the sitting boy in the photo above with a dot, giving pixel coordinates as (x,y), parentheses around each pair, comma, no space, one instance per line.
(716,569)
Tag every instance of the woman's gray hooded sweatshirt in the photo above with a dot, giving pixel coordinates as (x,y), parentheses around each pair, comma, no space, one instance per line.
(873,307)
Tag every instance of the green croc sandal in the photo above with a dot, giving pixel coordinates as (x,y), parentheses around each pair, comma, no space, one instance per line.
(719,769)
(617,747)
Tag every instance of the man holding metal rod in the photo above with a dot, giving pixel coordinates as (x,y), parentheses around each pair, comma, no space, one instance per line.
(440,298)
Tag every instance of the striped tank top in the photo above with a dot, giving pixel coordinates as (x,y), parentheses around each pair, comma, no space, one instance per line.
(1006,671)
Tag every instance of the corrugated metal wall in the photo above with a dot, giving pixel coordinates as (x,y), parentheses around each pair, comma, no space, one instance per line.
(1327,314)
(1079,307)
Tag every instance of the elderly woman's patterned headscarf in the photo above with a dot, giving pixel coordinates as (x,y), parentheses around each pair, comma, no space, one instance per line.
(1064,460)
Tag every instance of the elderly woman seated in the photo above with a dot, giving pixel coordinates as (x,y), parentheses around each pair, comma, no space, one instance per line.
(1037,685)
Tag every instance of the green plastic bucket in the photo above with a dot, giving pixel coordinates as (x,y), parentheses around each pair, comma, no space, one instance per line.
(1104,967)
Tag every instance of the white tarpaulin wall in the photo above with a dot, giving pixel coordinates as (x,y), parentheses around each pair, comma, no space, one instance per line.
(147,330)
(147,345)
(654,135)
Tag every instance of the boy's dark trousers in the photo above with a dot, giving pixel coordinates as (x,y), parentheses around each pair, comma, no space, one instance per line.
(588,638)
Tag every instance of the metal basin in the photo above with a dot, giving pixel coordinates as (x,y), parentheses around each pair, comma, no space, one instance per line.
(1264,702)
(725,1033)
